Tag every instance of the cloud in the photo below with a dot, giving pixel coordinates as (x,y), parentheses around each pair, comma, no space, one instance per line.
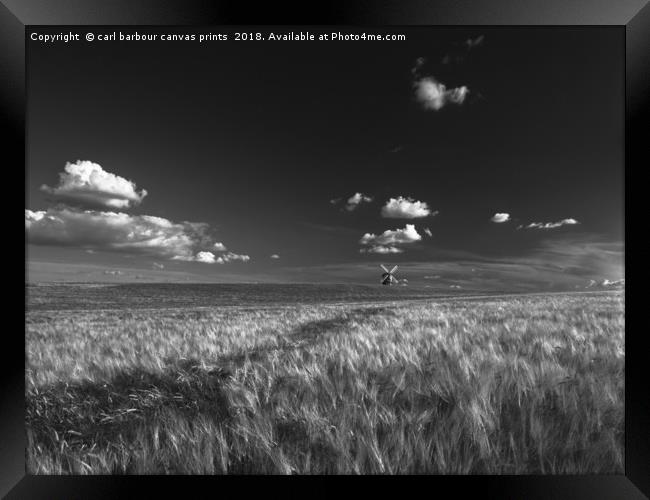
(158,266)
(428,232)
(433,95)
(205,257)
(119,232)
(275,256)
(387,241)
(210,258)
(499,218)
(615,284)
(405,208)
(229,257)
(419,62)
(475,42)
(87,184)
(355,200)
(549,225)
(381,249)
(114,273)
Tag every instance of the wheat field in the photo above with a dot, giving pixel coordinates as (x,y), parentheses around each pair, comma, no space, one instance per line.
(496,385)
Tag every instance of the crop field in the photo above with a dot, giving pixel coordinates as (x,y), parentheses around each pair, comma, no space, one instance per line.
(512,384)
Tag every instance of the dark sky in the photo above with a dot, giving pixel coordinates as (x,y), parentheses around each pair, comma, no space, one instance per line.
(255,138)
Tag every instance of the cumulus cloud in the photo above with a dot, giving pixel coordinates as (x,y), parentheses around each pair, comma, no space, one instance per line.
(355,200)
(499,218)
(405,208)
(381,249)
(87,184)
(389,240)
(433,95)
(275,256)
(549,225)
(73,223)
(229,257)
(158,266)
(109,230)
(119,232)
(428,232)
(206,257)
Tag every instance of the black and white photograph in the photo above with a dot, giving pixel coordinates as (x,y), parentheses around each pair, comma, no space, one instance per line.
(325,250)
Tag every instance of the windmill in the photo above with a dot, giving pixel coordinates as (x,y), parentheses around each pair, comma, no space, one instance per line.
(387,277)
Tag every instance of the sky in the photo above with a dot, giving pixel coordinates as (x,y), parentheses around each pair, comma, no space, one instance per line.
(477,159)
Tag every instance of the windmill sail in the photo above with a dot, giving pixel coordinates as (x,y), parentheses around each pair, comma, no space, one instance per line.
(387,277)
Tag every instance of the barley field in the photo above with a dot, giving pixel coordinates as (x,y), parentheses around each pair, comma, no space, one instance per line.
(512,384)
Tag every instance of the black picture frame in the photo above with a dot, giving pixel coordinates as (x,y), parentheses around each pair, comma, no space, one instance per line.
(633,16)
